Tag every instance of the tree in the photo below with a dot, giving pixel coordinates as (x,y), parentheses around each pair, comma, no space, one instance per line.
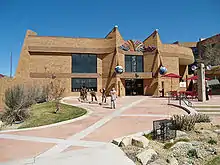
(210,54)
(55,88)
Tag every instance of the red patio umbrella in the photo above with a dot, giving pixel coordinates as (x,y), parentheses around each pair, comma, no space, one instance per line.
(196,78)
(172,75)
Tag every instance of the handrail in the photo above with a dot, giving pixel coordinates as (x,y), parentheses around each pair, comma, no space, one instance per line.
(185,100)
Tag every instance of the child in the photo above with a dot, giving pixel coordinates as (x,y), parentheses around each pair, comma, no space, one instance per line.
(103,92)
(113,98)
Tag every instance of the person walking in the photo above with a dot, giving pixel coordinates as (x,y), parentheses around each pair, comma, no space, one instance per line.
(85,90)
(207,89)
(113,95)
(93,95)
(103,92)
(81,97)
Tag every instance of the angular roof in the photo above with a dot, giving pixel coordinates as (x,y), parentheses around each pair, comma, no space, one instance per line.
(211,40)
(186,44)
(153,39)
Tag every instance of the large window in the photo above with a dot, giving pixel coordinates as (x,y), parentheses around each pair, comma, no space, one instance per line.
(133,63)
(84,63)
(89,83)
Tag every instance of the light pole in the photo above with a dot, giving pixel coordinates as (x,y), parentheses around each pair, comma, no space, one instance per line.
(201,82)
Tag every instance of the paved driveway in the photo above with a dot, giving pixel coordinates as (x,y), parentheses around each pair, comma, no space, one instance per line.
(133,114)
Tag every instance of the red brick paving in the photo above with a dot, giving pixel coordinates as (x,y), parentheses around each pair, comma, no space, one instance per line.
(121,126)
(62,131)
(117,127)
(18,149)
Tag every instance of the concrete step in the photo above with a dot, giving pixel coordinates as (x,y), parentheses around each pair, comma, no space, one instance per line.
(207,109)
(211,113)
(206,106)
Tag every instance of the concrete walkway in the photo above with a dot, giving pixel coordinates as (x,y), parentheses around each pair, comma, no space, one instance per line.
(88,137)
(107,154)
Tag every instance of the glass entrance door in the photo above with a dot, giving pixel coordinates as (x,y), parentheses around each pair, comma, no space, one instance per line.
(134,87)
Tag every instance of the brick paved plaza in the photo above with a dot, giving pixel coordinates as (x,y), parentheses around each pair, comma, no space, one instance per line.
(132,115)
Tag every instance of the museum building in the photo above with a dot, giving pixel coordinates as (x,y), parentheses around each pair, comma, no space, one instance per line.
(91,62)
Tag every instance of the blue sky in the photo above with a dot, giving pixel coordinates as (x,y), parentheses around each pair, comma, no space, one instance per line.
(184,20)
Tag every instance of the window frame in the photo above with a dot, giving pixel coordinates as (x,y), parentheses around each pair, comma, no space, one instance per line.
(129,67)
(83,62)
(87,84)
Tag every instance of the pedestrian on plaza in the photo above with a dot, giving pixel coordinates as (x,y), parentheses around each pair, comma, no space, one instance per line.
(81,97)
(85,91)
(93,95)
(103,92)
(207,90)
(113,95)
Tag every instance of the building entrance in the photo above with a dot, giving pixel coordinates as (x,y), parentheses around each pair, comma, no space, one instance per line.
(134,87)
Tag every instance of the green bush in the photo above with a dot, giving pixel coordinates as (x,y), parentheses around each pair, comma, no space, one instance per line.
(169,145)
(192,153)
(187,122)
(39,94)
(215,161)
(202,118)
(149,136)
(212,141)
(16,105)
(182,140)
(183,122)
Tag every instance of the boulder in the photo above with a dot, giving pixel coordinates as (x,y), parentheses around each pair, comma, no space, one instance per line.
(207,135)
(159,162)
(140,141)
(196,143)
(132,151)
(201,148)
(126,141)
(146,156)
(172,161)
(180,149)
(1,124)
(181,135)
(212,150)
(203,126)
(217,131)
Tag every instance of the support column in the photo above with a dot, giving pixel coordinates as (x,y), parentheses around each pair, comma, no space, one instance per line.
(201,82)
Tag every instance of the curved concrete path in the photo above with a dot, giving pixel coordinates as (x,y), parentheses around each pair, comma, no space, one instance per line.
(133,114)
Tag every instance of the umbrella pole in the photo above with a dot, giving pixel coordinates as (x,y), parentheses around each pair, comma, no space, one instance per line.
(171,83)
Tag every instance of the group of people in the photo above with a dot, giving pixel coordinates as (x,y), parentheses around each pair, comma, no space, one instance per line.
(84,92)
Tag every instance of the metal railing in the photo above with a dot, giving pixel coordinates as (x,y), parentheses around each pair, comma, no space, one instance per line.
(183,98)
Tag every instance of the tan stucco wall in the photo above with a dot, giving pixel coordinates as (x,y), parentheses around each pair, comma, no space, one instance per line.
(172,65)
(42,54)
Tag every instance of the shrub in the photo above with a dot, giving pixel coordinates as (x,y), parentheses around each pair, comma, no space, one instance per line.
(16,105)
(39,94)
(169,145)
(192,153)
(56,91)
(182,140)
(187,122)
(215,161)
(149,136)
(183,122)
(212,141)
(202,118)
